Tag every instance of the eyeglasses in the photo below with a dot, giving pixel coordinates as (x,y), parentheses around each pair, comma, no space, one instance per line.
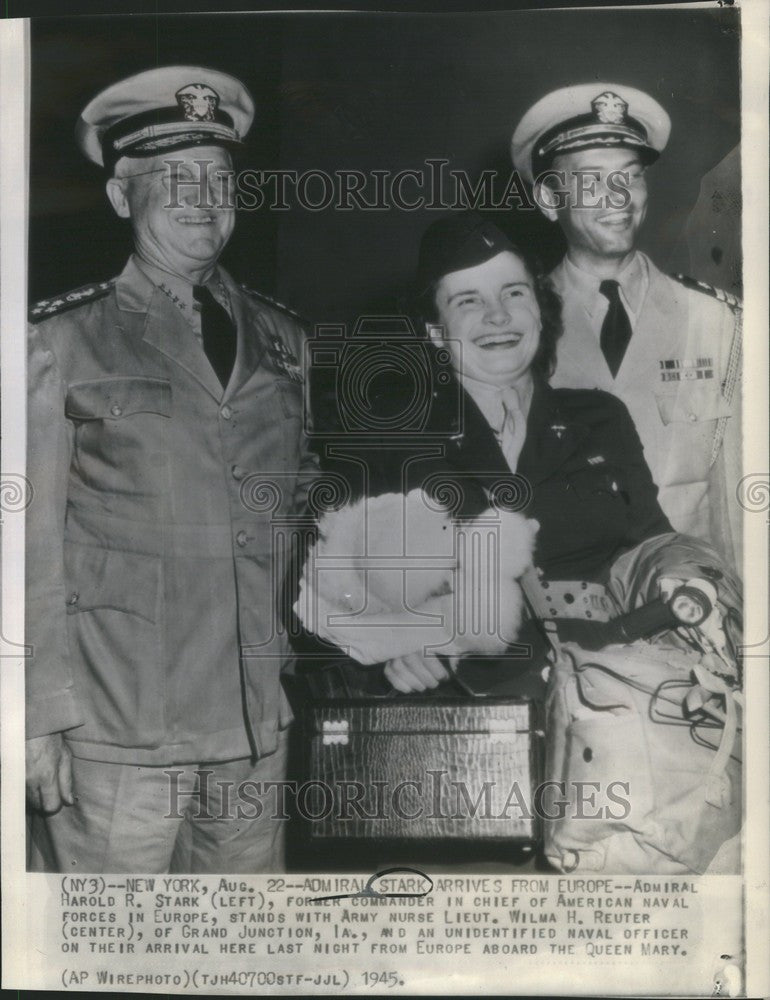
(143,173)
(178,176)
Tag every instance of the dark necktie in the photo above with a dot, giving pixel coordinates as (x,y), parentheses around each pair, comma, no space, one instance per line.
(218,332)
(616,328)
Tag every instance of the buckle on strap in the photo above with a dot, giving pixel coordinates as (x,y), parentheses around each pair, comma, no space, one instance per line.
(579,599)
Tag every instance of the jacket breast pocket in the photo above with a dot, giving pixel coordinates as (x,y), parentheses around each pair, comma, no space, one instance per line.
(118,398)
(122,437)
(604,481)
(692,404)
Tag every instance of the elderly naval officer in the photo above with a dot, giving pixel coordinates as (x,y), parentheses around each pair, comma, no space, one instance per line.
(152,397)
(669,348)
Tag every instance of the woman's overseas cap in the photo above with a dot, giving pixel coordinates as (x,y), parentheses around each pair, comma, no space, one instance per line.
(455,242)
(164,109)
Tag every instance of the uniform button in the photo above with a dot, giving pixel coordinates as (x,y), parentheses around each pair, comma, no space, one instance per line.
(241,538)
(226,412)
(74,598)
(116,410)
(693,416)
(238,472)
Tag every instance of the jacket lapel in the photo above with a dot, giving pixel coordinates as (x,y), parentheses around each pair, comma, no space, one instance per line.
(551,437)
(646,345)
(580,358)
(251,332)
(147,311)
(474,449)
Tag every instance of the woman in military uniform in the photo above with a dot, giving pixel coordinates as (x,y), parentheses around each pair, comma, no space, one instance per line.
(569,458)
(496,434)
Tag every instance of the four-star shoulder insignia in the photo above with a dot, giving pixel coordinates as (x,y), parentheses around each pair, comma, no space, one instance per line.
(717,293)
(276,305)
(70,300)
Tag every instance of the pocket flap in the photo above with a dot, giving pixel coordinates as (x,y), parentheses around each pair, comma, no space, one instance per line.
(291,396)
(593,480)
(111,579)
(692,404)
(115,398)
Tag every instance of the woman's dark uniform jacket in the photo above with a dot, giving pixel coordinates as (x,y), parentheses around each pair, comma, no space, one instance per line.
(591,490)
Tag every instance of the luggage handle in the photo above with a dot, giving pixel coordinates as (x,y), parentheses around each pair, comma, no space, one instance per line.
(453,685)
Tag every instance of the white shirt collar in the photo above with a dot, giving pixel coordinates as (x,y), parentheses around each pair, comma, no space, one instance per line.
(634,280)
(489,399)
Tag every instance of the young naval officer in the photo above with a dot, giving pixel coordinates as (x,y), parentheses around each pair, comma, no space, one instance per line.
(668,347)
(151,398)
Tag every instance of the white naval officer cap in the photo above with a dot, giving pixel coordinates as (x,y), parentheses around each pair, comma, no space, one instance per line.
(589,116)
(164,109)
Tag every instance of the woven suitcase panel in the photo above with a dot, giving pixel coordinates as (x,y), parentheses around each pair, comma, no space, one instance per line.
(469,768)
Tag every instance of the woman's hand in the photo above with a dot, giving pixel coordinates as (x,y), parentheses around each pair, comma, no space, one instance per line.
(415,672)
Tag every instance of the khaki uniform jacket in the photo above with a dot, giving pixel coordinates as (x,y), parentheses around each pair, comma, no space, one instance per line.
(671,381)
(148,571)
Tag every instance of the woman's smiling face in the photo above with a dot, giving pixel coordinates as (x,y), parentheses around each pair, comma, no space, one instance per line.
(490,319)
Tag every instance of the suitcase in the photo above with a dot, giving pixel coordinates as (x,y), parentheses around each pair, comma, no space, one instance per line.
(411,767)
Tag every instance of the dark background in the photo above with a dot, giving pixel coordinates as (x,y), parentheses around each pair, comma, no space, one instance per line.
(372,91)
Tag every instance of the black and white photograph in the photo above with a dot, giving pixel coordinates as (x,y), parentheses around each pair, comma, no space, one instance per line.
(385,501)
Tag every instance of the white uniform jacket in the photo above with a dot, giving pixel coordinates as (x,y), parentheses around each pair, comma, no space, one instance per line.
(671,379)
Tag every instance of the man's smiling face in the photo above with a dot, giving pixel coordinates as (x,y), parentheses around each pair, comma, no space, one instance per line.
(596,223)
(490,319)
(182,228)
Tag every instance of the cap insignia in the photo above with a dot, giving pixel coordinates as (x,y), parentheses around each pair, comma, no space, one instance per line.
(609,108)
(198,102)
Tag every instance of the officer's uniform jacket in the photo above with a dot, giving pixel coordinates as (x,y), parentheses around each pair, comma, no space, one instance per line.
(150,557)
(671,379)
